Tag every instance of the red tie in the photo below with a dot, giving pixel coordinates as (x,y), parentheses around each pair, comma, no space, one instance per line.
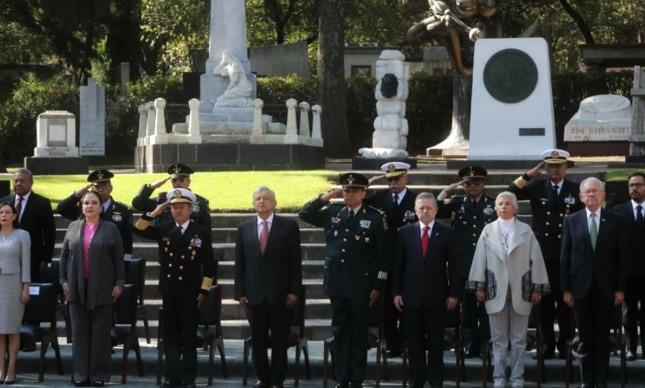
(425,241)
(264,237)
(19,207)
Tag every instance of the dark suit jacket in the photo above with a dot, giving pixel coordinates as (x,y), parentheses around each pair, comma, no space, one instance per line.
(580,264)
(636,236)
(396,216)
(144,203)
(429,280)
(273,275)
(38,220)
(106,264)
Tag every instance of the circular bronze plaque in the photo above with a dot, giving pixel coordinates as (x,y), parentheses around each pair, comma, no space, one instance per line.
(510,76)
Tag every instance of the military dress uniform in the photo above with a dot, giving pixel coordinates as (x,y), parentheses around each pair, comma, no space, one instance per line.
(399,211)
(187,268)
(548,210)
(144,203)
(355,264)
(116,212)
(468,218)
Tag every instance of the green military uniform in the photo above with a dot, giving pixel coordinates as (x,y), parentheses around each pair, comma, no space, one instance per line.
(187,268)
(144,203)
(116,212)
(355,264)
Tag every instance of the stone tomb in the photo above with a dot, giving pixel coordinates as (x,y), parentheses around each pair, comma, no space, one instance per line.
(512,104)
(601,126)
(56,151)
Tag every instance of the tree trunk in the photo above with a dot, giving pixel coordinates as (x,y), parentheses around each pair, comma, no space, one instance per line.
(580,21)
(331,78)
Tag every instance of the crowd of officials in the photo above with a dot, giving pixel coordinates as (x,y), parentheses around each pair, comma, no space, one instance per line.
(577,261)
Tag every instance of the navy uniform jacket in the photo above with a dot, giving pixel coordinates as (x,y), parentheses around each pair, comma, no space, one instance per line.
(118,213)
(580,263)
(355,258)
(143,203)
(548,212)
(468,221)
(396,216)
(186,259)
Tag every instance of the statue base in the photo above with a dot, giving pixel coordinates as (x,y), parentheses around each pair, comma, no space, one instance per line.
(55,166)
(229,156)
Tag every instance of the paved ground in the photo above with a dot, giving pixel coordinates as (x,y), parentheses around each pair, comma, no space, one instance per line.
(27,376)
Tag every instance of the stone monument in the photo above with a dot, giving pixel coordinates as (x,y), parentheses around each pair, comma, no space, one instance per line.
(92,119)
(601,126)
(56,151)
(226,128)
(390,138)
(512,104)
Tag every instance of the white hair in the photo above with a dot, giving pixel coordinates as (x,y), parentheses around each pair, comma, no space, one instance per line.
(510,195)
(592,179)
(427,195)
(264,189)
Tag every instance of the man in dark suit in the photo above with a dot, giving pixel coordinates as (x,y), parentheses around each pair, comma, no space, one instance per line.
(179,176)
(552,198)
(185,278)
(468,215)
(268,282)
(633,213)
(397,202)
(592,276)
(425,282)
(355,270)
(36,217)
(111,210)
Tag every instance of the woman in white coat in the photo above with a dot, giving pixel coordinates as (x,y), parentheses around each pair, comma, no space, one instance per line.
(509,275)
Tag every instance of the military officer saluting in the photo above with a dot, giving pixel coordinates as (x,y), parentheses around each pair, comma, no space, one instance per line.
(111,210)
(397,202)
(552,198)
(185,278)
(469,214)
(355,270)
(179,176)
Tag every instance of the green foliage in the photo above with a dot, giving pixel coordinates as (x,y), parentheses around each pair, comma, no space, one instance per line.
(19,112)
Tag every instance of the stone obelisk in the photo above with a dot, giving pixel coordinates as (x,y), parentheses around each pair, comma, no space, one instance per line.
(227,32)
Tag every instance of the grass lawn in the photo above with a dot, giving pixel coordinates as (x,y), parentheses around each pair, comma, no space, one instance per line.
(621,174)
(226,191)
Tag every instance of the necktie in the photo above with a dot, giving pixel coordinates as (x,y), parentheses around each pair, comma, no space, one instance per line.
(395,198)
(425,241)
(593,230)
(639,215)
(19,207)
(351,216)
(264,237)
(179,229)
(555,191)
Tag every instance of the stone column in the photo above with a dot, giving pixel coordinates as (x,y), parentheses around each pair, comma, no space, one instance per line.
(193,118)
(316,131)
(304,119)
(143,120)
(637,138)
(292,128)
(160,120)
(258,104)
(150,127)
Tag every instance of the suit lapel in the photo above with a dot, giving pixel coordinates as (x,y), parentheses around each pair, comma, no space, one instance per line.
(518,237)
(434,239)
(272,232)
(602,227)
(253,230)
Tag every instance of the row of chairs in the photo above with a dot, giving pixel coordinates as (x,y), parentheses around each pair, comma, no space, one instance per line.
(47,305)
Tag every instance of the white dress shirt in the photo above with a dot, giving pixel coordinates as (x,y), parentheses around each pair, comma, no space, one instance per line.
(422,225)
(642,205)
(260,221)
(183,226)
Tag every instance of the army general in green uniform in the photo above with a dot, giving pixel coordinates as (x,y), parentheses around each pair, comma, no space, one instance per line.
(355,275)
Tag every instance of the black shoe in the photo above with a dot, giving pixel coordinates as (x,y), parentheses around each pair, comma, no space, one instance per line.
(472,353)
(191,385)
(277,386)
(341,385)
(261,384)
(356,385)
(84,383)
(169,384)
(631,356)
(96,383)
(9,382)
